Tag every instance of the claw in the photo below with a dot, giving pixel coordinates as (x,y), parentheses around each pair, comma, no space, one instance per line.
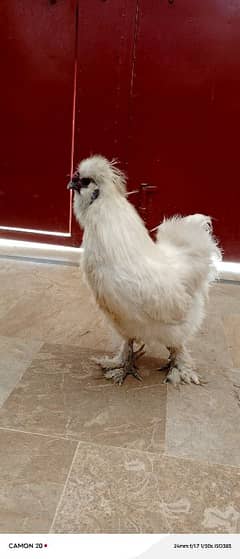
(117,371)
(136,375)
(176,377)
(165,367)
(202,381)
(117,375)
(139,352)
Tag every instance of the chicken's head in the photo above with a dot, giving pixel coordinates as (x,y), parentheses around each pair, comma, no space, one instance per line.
(95,179)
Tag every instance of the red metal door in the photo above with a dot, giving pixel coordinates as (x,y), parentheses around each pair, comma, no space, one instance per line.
(104,74)
(37,43)
(67,66)
(185,111)
(105,51)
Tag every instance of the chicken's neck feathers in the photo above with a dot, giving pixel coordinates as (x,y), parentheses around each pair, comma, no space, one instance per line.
(114,230)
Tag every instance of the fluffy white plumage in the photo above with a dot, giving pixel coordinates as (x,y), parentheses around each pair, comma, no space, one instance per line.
(151,291)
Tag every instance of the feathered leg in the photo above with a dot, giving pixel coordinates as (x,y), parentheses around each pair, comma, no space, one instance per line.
(117,368)
(181,367)
(116,362)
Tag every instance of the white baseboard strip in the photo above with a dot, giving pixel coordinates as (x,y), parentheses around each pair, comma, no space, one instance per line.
(60,254)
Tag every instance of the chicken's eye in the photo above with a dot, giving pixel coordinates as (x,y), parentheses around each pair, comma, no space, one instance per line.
(85,181)
(75,178)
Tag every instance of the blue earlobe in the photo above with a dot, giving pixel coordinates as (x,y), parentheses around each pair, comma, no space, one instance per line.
(95,195)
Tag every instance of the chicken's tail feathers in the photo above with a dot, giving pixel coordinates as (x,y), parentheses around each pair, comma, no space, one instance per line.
(200,220)
(193,234)
(212,245)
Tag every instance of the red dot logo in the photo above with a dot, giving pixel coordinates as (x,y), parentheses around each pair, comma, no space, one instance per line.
(45,545)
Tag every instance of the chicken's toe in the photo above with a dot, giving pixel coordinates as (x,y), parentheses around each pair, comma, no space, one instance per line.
(178,376)
(108,363)
(117,375)
(188,377)
(173,376)
(136,354)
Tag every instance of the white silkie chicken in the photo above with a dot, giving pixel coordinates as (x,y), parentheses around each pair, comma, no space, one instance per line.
(150,291)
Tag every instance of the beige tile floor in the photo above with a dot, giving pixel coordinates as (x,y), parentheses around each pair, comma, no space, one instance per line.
(78,454)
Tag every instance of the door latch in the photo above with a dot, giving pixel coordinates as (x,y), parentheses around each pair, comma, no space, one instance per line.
(146,191)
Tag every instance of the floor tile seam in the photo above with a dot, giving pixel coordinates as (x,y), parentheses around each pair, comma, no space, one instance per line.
(19,380)
(39,434)
(64,488)
(165,453)
(77,440)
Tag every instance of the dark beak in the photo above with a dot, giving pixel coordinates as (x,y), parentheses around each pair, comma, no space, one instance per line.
(75,183)
(73,186)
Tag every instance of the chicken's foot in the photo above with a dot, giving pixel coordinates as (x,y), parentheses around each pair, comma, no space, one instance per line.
(180,368)
(119,372)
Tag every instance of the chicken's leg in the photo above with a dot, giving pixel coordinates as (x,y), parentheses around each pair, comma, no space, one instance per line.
(117,368)
(181,368)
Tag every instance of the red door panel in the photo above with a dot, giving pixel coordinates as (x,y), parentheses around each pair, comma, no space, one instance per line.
(37,43)
(105,56)
(105,50)
(186,111)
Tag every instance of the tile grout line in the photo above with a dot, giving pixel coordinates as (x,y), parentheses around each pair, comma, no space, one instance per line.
(63,491)
(160,454)
(80,441)
(19,380)
(39,434)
